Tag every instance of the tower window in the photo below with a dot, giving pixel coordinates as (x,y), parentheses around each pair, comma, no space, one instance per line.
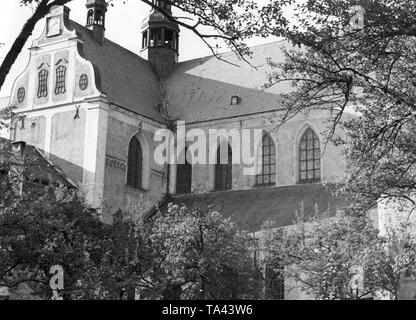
(268,163)
(99,18)
(144,40)
(60,80)
(43,83)
(170,39)
(223,171)
(155,37)
(275,283)
(134,164)
(235,100)
(21,94)
(90,17)
(310,157)
(83,82)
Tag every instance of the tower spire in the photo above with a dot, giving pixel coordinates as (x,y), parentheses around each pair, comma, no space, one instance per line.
(160,39)
(96,18)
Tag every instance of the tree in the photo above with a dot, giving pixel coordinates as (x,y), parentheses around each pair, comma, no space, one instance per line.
(369,69)
(197,254)
(342,257)
(232,21)
(45,223)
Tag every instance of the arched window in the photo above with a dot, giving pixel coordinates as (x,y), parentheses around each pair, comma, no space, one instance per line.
(309,157)
(275,282)
(134,164)
(224,171)
(184,176)
(90,17)
(60,80)
(267,176)
(99,18)
(42,83)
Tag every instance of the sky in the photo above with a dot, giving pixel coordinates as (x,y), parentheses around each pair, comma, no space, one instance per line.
(123,22)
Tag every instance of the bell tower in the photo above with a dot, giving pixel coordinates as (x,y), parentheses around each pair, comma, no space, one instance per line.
(160,39)
(96,18)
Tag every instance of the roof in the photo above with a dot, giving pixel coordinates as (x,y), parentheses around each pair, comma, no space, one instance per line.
(127,79)
(38,167)
(201,89)
(251,208)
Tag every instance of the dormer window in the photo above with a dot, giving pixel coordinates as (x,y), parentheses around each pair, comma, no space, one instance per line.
(235,100)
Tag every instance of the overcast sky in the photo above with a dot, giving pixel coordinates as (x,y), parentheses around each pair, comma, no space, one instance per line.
(123,23)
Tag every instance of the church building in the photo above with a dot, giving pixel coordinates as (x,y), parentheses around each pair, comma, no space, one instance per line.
(93,107)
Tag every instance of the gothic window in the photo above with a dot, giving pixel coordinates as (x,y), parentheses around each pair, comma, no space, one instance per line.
(267,176)
(275,283)
(184,176)
(309,157)
(43,83)
(134,164)
(83,82)
(21,94)
(60,80)
(223,171)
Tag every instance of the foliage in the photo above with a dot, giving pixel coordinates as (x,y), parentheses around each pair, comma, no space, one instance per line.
(342,257)
(197,254)
(369,71)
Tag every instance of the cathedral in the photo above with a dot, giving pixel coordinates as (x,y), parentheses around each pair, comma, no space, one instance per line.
(92,108)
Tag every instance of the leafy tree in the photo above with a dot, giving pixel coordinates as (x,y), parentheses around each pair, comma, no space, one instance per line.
(342,257)
(197,254)
(44,224)
(369,70)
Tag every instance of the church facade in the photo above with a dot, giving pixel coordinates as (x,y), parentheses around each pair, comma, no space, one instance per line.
(93,108)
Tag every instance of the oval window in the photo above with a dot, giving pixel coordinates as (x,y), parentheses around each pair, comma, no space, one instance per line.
(83,82)
(21,94)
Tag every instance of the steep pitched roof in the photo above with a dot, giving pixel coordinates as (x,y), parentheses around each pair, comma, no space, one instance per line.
(201,89)
(37,167)
(251,208)
(127,79)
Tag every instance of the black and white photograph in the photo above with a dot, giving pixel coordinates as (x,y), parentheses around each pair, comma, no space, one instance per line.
(204,157)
